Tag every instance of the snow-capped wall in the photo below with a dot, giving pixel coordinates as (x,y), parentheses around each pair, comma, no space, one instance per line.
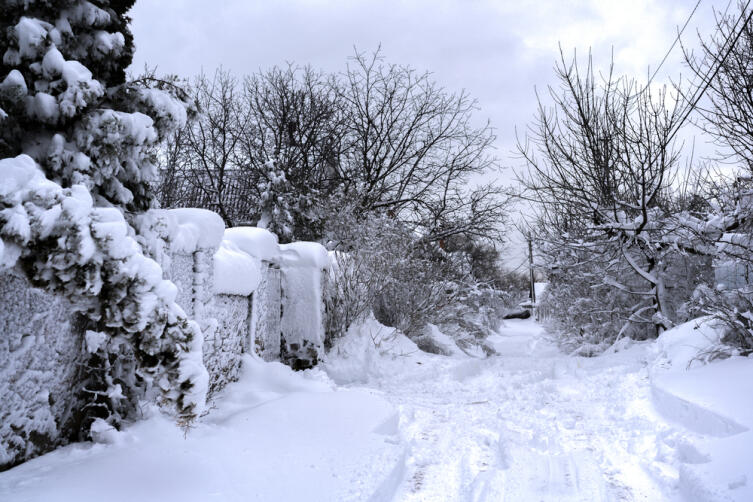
(246,292)
(226,341)
(266,321)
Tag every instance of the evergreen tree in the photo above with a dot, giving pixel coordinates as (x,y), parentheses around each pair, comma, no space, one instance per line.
(77,157)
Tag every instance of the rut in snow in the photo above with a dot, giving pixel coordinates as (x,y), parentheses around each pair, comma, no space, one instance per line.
(530,424)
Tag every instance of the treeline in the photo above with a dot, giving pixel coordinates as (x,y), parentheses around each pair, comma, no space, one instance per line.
(378,163)
(634,238)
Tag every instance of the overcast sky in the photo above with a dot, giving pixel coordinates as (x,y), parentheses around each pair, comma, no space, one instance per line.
(496,50)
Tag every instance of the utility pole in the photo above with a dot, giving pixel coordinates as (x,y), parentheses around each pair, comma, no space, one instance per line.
(530,270)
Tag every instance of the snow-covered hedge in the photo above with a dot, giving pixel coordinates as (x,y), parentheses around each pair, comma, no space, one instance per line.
(138,336)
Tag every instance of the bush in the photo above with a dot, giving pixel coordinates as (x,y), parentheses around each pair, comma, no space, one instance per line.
(734,308)
(380,266)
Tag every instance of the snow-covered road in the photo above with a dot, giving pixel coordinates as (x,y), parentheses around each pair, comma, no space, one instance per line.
(380,421)
(530,425)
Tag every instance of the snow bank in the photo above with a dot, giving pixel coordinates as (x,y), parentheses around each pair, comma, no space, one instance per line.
(690,390)
(196,229)
(235,272)
(275,435)
(685,345)
(712,399)
(367,351)
(706,399)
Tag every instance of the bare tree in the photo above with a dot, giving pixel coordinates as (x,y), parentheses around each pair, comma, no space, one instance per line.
(412,149)
(291,151)
(724,68)
(206,152)
(601,162)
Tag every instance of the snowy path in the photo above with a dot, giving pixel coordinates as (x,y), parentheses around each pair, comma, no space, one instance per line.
(393,424)
(531,425)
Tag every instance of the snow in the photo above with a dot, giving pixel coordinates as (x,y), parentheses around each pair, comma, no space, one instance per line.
(276,435)
(17,174)
(196,229)
(257,242)
(365,352)
(45,107)
(705,397)
(304,254)
(701,386)
(235,272)
(31,34)
(680,347)
(380,420)
(14,81)
(540,288)
(529,425)
(238,262)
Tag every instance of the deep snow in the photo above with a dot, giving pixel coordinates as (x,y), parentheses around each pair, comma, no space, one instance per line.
(382,421)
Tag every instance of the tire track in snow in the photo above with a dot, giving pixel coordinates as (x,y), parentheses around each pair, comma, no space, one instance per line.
(531,424)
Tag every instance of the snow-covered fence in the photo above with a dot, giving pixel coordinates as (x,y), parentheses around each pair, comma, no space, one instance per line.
(246,292)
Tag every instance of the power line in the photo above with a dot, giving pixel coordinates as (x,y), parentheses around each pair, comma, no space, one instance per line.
(674,43)
(708,79)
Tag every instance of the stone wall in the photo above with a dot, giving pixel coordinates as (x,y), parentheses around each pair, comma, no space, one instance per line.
(227,339)
(265,322)
(40,355)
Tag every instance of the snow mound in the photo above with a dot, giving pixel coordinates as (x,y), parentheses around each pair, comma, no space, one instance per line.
(196,229)
(275,435)
(257,242)
(706,398)
(365,352)
(684,345)
(700,394)
(235,272)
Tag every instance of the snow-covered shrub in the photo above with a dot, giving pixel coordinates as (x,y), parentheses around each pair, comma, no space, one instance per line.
(77,144)
(485,292)
(592,297)
(380,266)
(138,336)
(734,308)
(358,267)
